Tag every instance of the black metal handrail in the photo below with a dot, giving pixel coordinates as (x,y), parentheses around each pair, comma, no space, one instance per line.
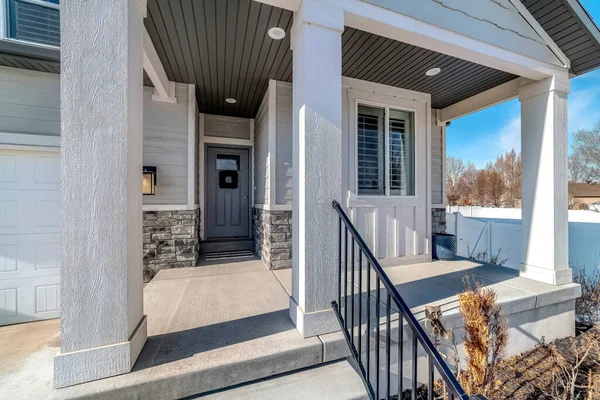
(346,312)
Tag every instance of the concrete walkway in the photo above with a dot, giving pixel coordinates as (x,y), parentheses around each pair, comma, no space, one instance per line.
(222,325)
(26,359)
(213,327)
(333,381)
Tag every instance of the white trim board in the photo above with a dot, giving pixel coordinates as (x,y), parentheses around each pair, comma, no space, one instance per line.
(24,139)
(191,159)
(170,207)
(272,141)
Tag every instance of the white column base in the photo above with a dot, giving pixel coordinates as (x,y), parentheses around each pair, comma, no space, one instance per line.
(99,362)
(314,323)
(550,276)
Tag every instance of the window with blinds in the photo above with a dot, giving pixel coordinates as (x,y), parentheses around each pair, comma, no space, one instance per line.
(401,154)
(370,150)
(379,144)
(35,21)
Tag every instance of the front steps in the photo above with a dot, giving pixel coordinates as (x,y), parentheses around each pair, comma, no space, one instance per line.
(226,245)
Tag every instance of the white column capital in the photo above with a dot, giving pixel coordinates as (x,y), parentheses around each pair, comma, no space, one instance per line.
(321,13)
(143,7)
(551,84)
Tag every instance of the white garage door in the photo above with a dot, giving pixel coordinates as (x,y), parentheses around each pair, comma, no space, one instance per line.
(29,235)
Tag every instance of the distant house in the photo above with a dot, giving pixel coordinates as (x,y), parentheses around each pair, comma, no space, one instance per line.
(587,193)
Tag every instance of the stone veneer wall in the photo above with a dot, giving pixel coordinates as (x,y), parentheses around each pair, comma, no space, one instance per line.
(273,237)
(170,240)
(438,220)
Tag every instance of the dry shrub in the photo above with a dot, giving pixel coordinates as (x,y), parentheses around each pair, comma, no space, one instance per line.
(587,307)
(485,337)
(569,379)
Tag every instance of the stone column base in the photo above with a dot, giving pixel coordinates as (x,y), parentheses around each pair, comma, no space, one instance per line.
(99,362)
(273,237)
(438,220)
(170,240)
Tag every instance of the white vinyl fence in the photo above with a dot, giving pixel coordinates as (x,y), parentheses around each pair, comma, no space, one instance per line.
(497,231)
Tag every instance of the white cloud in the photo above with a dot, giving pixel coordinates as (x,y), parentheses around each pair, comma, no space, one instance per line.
(510,136)
(582,112)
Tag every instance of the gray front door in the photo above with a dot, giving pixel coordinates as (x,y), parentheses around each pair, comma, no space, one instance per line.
(227,193)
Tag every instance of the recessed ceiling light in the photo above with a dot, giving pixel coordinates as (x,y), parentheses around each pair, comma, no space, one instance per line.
(276,33)
(230,100)
(433,71)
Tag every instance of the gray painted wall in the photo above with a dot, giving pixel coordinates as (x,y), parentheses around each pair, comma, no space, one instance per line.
(166,145)
(284,144)
(29,102)
(226,127)
(437,162)
(261,153)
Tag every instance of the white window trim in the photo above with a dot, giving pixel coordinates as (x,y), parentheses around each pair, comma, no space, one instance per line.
(5,23)
(386,106)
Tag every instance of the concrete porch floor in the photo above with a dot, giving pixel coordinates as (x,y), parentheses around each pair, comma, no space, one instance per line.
(216,326)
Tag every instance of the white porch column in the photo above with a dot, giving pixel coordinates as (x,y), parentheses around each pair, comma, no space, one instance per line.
(103,328)
(544,187)
(317,146)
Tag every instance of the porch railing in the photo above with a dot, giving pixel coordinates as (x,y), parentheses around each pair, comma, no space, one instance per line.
(350,311)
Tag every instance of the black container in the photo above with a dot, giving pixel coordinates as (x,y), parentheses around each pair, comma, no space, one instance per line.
(443,246)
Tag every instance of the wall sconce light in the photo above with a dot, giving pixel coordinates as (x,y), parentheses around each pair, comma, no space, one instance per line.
(149,180)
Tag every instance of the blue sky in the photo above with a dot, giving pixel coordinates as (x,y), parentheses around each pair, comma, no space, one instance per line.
(483,136)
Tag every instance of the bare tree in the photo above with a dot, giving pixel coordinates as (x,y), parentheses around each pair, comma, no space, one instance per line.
(495,186)
(479,187)
(585,160)
(509,168)
(455,169)
(577,168)
(467,183)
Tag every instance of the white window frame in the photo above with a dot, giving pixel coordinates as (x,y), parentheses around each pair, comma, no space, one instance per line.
(5,24)
(386,162)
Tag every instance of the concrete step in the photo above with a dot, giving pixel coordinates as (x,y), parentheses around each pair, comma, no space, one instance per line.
(336,380)
(222,245)
(213,327)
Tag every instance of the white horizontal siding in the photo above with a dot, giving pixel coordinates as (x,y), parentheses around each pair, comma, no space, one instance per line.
(166,146)
(261,153)
(284,170)
(437,162)
(29,102)
(226,127)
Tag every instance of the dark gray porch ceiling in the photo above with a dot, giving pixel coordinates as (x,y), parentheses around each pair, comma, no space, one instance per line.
(571,28)
(225,51)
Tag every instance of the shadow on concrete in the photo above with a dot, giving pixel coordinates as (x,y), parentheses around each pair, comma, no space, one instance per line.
(175,346)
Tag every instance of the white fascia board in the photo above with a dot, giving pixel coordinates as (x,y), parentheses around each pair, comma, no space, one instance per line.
(164,90)
(490,97)
(540,31)
(393,25)
(292,5)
